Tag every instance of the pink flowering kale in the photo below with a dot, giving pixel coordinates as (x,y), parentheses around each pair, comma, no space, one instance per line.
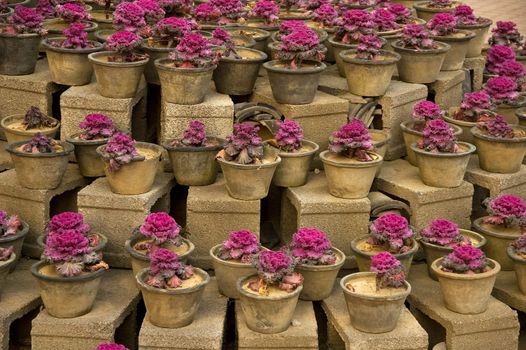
(415,36)
(438,137)
(369,47)
(25,20)
(289,26)
(506,33)
(352,140)
(440,3)
(497,55)
(425,111)
(162,228)
(5,253)
(240,245)
(176,6)
(46,8)
(9,225)
(326,15)
(384,20)
(402,14)
(352,25)
(514,70)
(111,346)
(312,5)
(298,46)
(475,107)
(128,16)
(393,231)
(442,24)
(443,232)
(153,12)
(120,150)
(194,135)
(311,246)
(289,136)
(193,51)
(67,221)
(275,268)
(389,271)
(502,90)
(244,146)
(166,270)
(519,245)
(231,10)
(464,15)
(124,44)
(496,127)
(221,37)
(266,9)
(34,118)
(172,29)
(465,259)
(40,143)
(96,127)
(76,37)
(507,210)
(72,13)
(206,13)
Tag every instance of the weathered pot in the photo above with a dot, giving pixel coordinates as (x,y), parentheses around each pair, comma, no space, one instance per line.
(237,76)
(338,47)
(103,240)
(66,297)
(498,154)
(150,71)
(349,178)
(294,167)
(373,313)
(380,140)
(481,31)
(16,241)
(465,135)
(267,314)
(318,280)
(455,288)
(116,79)
(172,308)
(426,13)
(99,17)
(18,53)
(445,170)
(520,268)
(136,177)
(13,135)
(457,53)
(296,87)
(434,251)
(5,268)
(186,86)
(508,111)
(274,48)
(39,171)
(90,163)
(102,35)
(260,36)
(7,12)
(521,115)
(498,240)
(420,67)
(56,26)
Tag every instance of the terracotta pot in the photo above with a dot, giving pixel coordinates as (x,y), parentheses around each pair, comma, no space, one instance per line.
(266,314)
(90,163)
(380,142)
(16,241)
(521,115)
(18,53)
(319,280)
(348,178)
(500,155)
(294,167)
(426,13)
(457,53)
(39,171)
(260,36)
(150,71)
(14,135)
(358,72)
(66,297)
(172,308)
(466,293)
(520,268)
(481,31)
(508,111)
(373,313)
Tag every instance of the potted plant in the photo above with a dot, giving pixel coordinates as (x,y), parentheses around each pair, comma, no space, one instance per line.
(12,234)
(385,22)
(268,299)
(7,262)
(292,10)
(96,131)
(119,70)
(176,7)
(40,164)
(466,271)
(368,60)
(495,57)
(102,14)
(129,16)
(358,4)
(296,154)
(440,237)
(504,224)
(375,299)
(153,13)
(517,253)
(466,20)
(388,233)
(19,41)
(264,15)
(130,166)
(219,13)
(515,71)
(232,260)
(286,28)
(403,14)
(246,157)
(69,274)
(421,56)
(171,290)
(20,127)
(501,147)
(325,18)
(159,230)
(193,156)
(317,261)
(506,33)
(67,14)
(350,163)
(427,9)
(503,92)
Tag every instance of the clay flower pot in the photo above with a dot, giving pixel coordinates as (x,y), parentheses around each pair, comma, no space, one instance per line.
(338,47)
(498,154)
(6,267)
(55,27)
(294,167)
(16,241)
(267,314)
(39,171)
(380,140)
(481,30)
(347,177)
(14,130)
(116,79)
(444,170)
(18,53)
(465,135)
(99,17)
(519,264)
(154,52)
(521,116)
(459,43)
(372,311)
(425,12)
(466,293)
(66,297)
(90,163)
(508,111)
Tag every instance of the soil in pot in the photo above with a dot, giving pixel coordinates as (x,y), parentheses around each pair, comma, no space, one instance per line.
(90,163)
(294,167)
(519,263)
(16,241)
(15,130)
(459,43)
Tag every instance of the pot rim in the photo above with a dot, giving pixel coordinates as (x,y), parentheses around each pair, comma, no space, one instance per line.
(471,149)
(372,163)
(477,134)
(250,166)
(480,237)
(383,133)
(466,277)
(468,36)
(421,5)
(93,26)
(104,240)
(389,61)
(405,126)
(8,262)
(314,145)
(139,278)
(262,58)
(514,256)
(399,256)
(19,234)
(487,23)
(322,35)
(318,68)
(16,117)
(35,271)
(12,148)
(136,235)
(520,103)
(103,20)
(73,139)
(161,63)
(81,51)
(93,57)
(21,36)
(521,112)
(477,225)
(221,142)
(138,144)
(345,279)
(240,281)
(321,268)
(264,33)
(99,33)
(443,48)
(268,28)
(457,122)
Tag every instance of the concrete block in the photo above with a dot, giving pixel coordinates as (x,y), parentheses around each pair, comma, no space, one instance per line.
(333,84)
(117,298)
(36,206)
(204,333)
(448,88)
(302,333)
(496,328)
(507,290)
(117,215)
(5,158)
(211,214)
(399,179)
(475,67)
(408,334)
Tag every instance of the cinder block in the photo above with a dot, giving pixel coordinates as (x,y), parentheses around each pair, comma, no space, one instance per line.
(496,328)
(211,214)
(204,333)
(475,67)
(408,334)
(400,179)
(117,215)
(333,84)
(448,88)
(302,333)
(36,206)
(117,299)
(507,290)
(5,158)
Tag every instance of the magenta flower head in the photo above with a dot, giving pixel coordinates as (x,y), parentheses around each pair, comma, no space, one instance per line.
(166,270)
(193,136)
(299,45)
(519,245)
(438,137)
(442,232)
(507,210)
(289,26)
(384,20)
(502,90)
(68,246)
(424,111)
(312,5)
(244,146)
(120,150)
(442,24)
(153,12)
(205,12)
(240,245)
(163,259)
(464,15)
(440,3)
(124,44)
(465,259)
(26,20)
(67,220)
(392,230)
(311,246)
(512,69)
(193,51)
(402,14)
(162,228)
(352,140)
(506,33)
(72,12)
(497,55)
(389,271)
(383,262)
(289,135)
(353,24)
(45,8)
(40,143)
(128,16)
(369,47)
(96,126)
(415,36)
(111,346)
(266,9)
(5,253)
(326,15)
(475,105)
(9,225)
(273,266)
(231,10)
(76,36)
(496,127)
(172,29)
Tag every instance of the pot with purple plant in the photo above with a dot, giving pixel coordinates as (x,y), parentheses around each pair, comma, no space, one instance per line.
(102,14)
(69,274)
(5,11)
(427,9)
(375,299)
(517,253)
(350,163)
(40,164)
(227,13)
(358,4)
(504,93)
(466,20)
(506,33)
(385,22)
(466,271)
(67,14)
(325,18)
(20,127)
(12,234)
(288,27)
(7,264)
(232,260)
(264,15)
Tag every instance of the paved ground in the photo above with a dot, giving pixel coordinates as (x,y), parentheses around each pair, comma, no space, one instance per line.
(502,10)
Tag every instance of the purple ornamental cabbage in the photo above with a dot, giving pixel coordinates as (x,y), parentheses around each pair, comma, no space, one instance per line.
(416,37)
(231,10)
(440,3)
(289,26)
(153,12)
(166,270)
(514,70)
(369,47)
(384,20)
(193,51)
(402,14)
(507,210)
(244,146)
(5,253)
(298,46)
(176,6)
(311,246)
(442,24)
(124,44)
(506,33)
(266,9)
(497,55)
(497,127)
(444,233)
(352,140)
(206,13)
(393,231)
(67,221)
(475,107)
(172,29)
(221,37)
(312,5)
(9,225)
(289,136)
(34,118)
(128,16)
(326,15)
(519,246)
(389,271)
(275,268)
(352,25)
(72,13)
(438,137)
(96,127)
(465,259)
(46,9)
(240,245)
(162,228)
(120,150)
(502,90)
(25,20)
(76,36)
(40,143)
(111,346)
(425,111)
(465,16)
(193,136)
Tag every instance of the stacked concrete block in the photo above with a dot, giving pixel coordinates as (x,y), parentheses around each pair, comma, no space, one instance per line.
(333,84)
(116,215)
(475,67)
(5,158)
(507,290)
(448,88)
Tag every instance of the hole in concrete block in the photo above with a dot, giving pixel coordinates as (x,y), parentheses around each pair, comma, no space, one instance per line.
(479,196)
(378,123)
(20,331)
(321,320)
(55,102)
(178,197)
(289,220)
(270,215)
(139,122)
(522,334)
(436,333)
(66,201)
(431,95)
(126,333)
(229,328)
(153,112)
